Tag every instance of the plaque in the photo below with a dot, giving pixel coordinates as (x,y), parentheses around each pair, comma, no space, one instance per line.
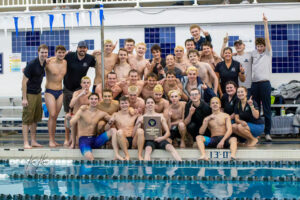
(152,127)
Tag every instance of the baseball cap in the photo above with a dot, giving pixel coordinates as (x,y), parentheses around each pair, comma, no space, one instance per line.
(238,42)
(82,44)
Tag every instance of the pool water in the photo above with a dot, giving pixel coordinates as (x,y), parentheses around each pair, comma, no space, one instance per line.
(150,188)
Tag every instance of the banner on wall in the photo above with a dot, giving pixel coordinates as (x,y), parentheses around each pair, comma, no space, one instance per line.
(1,63)
(15,62)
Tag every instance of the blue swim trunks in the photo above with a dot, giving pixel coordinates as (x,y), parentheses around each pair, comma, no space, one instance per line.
(256,129)
(87,143)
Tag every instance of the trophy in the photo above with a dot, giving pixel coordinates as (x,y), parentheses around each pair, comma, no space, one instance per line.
(152,127)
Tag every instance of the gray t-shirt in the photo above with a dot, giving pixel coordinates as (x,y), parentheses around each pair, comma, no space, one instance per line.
(246,62)
(262,65)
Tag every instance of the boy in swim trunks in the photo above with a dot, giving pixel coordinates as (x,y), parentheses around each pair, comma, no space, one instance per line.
(87,118)
(176,117)
(158,143)
(55,71)
(124,122)
(219,124)
(79,98)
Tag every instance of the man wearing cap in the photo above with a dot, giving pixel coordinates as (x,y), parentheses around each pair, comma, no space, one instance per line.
(78,64)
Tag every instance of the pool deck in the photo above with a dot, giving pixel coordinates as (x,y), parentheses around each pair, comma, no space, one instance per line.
(11,147)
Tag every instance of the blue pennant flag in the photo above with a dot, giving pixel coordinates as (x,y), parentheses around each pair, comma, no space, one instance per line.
(32,23)
(77,18)
(64,20)
(101,15)
(51,18)
(16,25)
(91,23)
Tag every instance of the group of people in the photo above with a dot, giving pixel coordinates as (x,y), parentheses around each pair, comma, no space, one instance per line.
(200,99)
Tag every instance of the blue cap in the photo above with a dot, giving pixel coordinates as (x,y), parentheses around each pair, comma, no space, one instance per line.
(82,44)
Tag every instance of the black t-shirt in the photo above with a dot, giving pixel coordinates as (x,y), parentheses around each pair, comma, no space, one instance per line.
(202,111)
(163,64)
(76,69)
(35,72)
(227,105)
(246,114)
(228,74)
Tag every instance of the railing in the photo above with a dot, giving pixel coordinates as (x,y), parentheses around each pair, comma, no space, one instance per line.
(45,4)
(28,5)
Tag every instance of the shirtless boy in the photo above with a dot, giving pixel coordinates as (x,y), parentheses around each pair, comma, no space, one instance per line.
(122,66)
(160,142)
(129,45)
(110,60)
(172,84)
(139,62)
(133,80)
(110,83)
(80,97)
(87,119)
(135,102)
(161,104)
(55,72)
(219,124)
(107,105)
(124,121)
(189,45)
(150,82)
(176,117)
(209,56)
(181,62)
(206,73)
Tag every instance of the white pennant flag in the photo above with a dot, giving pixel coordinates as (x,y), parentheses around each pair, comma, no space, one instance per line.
(72,20)
(40,23)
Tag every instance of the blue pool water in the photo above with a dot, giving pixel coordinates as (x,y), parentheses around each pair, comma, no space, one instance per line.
(150,188)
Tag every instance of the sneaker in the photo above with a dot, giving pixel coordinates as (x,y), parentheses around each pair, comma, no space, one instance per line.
(268,138)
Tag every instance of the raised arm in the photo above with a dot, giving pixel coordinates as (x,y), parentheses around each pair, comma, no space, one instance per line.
(267,35)
(225,40)
(242,76)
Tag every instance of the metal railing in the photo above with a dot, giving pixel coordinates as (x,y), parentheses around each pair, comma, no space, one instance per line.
(27,4)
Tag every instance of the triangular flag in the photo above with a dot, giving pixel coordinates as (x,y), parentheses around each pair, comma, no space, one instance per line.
(101,14)
(77,18)
(90,14)
(51,19)
(16,25)
(32,23)
(64,20)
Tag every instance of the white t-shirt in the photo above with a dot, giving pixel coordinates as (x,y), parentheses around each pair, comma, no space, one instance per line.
(246,62)
(262,65)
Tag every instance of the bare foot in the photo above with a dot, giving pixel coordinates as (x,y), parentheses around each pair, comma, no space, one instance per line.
(203,158)
(141,158)
(57,144)
(118,157)
(27,146)
(127,157)
(252,143)
(182,144)
(35,144)
(52,144)
(72,146)
(67,143)
(233,158)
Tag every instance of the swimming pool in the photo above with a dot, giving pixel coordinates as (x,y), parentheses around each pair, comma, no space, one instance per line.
(156,179)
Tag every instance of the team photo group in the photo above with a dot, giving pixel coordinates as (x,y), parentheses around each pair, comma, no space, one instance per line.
(193,98)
